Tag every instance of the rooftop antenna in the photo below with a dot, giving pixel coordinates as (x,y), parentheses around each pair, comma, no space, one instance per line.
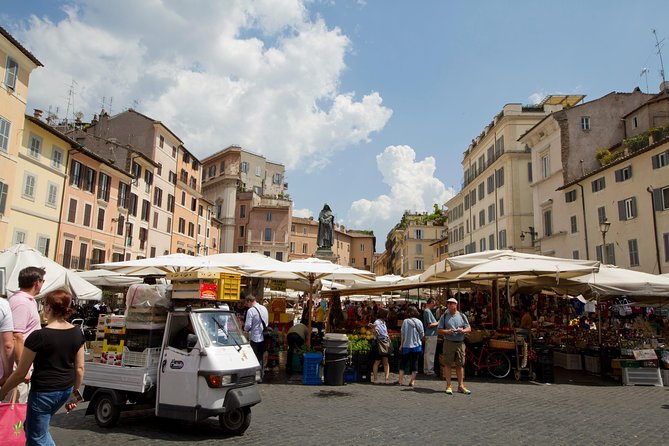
(658,44)
(644,71)
(70,100)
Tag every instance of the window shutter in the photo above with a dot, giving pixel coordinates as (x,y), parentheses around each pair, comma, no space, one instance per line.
(621,210)
(619,176)
(656,161)
(634,214)
(657,199)
(4,187)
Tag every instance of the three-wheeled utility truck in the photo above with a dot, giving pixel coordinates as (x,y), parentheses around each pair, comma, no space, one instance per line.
(205,368)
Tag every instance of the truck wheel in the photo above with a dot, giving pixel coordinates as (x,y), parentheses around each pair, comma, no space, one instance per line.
(235,421)
(106,412)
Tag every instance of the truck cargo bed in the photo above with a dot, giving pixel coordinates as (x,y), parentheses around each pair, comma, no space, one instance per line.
(130,379)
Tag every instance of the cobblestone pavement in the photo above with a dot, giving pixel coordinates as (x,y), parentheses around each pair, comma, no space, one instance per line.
(497,412)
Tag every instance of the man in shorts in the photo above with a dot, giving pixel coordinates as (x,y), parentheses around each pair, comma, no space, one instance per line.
(453,325)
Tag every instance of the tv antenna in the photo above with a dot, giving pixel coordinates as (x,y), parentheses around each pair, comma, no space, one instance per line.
(658,44)
(644,71)
(70,99)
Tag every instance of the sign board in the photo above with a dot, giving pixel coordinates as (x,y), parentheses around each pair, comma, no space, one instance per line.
(277,285)
(645,354)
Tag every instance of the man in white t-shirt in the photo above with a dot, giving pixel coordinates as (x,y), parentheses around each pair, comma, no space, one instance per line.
(7,340)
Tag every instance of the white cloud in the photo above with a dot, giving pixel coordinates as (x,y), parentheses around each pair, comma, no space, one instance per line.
(303,213)
(260,74)
(413,187)
(537,97)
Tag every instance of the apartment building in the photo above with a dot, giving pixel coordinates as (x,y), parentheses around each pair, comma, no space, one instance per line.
(408,244)
(495,202)
(91,231)
(188,200)
(563,147)
(250,201)
(36,199)
(16,65)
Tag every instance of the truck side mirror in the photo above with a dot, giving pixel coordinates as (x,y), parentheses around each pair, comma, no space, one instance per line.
(191,341)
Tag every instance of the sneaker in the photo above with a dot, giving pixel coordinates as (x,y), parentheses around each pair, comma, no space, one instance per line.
(464,390)
(449,390)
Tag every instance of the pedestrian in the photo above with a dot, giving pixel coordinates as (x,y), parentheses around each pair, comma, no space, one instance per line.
(381,339)
(430,325)
(296,336)
(26,316)
(453,325)
(257,319)
(411,344)
(57,352)
(7,340)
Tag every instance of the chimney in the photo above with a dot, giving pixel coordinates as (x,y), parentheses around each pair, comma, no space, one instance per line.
(37,113)
(664,86)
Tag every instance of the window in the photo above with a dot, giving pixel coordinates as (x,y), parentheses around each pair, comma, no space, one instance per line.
(155,220)
(501,207)
(11,73)
(419,249)
(19,236)
(418,264)
(35,146)
(43,244)
(623,174)
(161,143)
(89,179)
(419,234)
(172,177)
(481,218)
(104,186)
(56,157)
(304,230)
(72,211)
(499,177)
(211,171)
(183,198)
(570,196)
(548,222)
(120,224)
(158,197)
(276,178)
(472,197)
(499,146)
(241,231)
(136,170)
(279,256)
(482,245)
(545,165)
(200,211)
(627,209)
(268,234)
(83,253)
(148,181)
(146,210)
(529,172)
(572,224)
(660,160)
(491,213)
(29,181)
(665,238)
(635,122)
(193,204)
(268,217)
(481,191)
(123,195)
(244,167)
(304,248)
(152,252)
(4,134)
(466,201)
(170,202)
(258,171)
(257,190)
(502,239)
(585,122)
(598,184)
(575,254)
(142,238)
(242,211)
(168,227)
(183,176)
(491,241)
(132,207)
(191,229)
(75,174)
(491,183)
(634,252)
(52,195)
(101,219)
(661,197)
(88,212)
(222,168)
(182,226)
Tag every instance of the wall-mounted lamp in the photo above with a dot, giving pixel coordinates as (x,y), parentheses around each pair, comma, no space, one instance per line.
(532,233)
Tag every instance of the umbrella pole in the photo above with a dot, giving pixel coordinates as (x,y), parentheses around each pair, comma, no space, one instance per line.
(310,306)
(599,321)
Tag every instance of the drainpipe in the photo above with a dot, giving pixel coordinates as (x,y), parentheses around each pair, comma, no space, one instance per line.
(585,224)
(657,245)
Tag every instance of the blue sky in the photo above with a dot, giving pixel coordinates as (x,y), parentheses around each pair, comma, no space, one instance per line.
(370,104)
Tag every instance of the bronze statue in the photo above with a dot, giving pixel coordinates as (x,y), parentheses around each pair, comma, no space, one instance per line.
(325,228)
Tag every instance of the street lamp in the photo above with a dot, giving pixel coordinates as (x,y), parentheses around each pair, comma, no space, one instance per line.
(604,227)
(532,233)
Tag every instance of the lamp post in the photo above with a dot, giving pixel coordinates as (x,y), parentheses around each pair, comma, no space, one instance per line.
(604,227)
(532,233)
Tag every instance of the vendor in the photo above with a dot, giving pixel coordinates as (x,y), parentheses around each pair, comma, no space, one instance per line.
(526,320)
(295,338)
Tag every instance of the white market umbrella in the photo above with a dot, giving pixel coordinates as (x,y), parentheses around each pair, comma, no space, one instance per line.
(17,257)
(171,263)
(105,278)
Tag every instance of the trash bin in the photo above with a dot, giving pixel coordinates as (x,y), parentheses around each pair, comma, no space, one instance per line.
(336,355)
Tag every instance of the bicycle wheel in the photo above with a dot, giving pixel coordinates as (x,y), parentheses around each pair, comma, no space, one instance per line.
(499,364)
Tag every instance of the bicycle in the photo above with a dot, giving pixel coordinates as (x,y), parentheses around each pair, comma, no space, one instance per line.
(496,362)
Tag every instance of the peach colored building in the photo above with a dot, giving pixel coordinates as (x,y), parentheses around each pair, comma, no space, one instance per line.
(90,230)
(16,64)
(187,201)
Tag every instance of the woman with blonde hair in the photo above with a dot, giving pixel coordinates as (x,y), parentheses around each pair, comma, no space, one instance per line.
(57,353)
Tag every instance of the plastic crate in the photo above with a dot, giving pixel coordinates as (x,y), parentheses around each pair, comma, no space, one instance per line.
(592,364)
(568,361)
(150,357)
(641,377)
(350,376)
(138,340)
(311,371)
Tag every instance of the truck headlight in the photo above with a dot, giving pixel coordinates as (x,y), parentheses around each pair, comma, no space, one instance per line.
(218,381)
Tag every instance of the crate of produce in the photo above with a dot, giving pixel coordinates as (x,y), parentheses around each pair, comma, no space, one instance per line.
(311,371)
(114,320)
(149,357)
(112,347)
(146,317)
(114,330)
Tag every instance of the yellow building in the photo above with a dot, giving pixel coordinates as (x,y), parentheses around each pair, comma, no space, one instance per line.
(16,64)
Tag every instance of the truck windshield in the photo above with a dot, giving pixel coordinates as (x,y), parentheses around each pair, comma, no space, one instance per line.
(221,328)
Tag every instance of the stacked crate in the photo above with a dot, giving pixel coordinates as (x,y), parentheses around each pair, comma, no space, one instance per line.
(111,329)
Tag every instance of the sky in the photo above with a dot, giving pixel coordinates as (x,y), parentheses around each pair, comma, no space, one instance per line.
(369,104)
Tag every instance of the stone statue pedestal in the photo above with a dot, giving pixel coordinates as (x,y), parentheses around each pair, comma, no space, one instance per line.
(325,254)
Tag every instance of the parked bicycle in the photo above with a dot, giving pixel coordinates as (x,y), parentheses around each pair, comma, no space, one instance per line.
(496,362)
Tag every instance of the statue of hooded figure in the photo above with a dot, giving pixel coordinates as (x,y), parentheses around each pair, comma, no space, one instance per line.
(325,227)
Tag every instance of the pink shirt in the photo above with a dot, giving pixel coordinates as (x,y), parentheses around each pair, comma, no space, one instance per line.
(25,314)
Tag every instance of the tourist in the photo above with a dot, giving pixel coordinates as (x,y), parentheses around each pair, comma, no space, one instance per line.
(382,338)
(453,325)
(431,338)
(410,344)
